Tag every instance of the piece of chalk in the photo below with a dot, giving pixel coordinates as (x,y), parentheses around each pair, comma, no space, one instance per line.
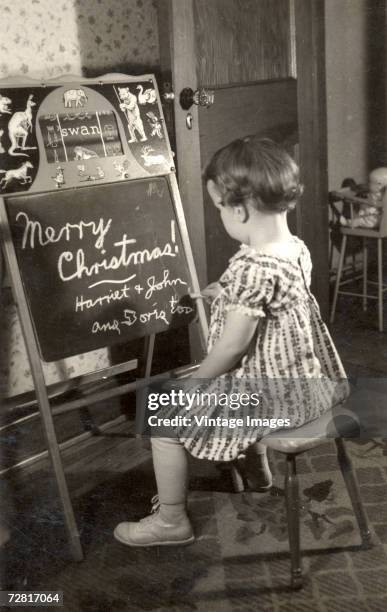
(196,296)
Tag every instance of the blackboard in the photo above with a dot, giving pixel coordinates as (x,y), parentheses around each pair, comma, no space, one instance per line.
(100,264)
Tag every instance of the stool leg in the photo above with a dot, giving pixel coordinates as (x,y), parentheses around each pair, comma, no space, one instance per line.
(237,478)
(338,278)
(365,271)
(353,491)
(331,250)
(380,284)
(293,516)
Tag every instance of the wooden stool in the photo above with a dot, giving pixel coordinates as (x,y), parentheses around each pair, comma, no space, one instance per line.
(309,436)
(366,234)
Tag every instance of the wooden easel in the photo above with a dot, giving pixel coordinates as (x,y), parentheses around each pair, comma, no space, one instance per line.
(43,401)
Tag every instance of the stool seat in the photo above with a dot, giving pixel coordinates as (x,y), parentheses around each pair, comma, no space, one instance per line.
(335,423)
(362,232)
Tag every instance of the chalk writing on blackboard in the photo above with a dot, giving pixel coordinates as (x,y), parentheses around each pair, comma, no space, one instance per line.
(110,262)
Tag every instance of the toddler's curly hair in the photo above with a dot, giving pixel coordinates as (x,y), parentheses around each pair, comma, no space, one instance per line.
(255,170)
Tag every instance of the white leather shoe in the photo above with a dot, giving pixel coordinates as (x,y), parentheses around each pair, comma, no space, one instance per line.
(154,531)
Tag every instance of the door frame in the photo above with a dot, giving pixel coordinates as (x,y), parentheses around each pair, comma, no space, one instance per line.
(176,26)
(183,74)
(312,133)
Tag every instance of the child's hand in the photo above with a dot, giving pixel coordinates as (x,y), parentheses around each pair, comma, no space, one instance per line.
(211,291)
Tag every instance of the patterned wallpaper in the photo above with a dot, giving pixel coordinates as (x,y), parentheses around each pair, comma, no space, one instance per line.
(15,373)
(43,39)
(46,38)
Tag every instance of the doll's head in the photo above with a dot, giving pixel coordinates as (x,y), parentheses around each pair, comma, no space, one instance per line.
(378,182)
(255,171)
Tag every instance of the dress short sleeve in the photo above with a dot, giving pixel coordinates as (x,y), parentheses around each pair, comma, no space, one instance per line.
(251,289)
(306,265)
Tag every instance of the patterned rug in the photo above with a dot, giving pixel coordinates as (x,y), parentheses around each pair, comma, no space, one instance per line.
(231,565)
(255,523)
(252,523)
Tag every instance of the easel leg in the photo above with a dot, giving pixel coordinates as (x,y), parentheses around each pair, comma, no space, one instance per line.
(70,523)
(40,386)
(54,454)
(149,346)
(146,370)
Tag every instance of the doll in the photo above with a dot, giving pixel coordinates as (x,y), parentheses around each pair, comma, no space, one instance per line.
(369,213)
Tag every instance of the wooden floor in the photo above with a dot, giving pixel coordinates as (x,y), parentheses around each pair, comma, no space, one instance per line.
(111,474)
(115,451)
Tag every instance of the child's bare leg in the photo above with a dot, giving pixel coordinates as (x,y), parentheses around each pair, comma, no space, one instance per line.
(171,471)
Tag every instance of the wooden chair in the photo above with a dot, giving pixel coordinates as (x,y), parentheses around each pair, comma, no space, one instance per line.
(365,233)
(329,426)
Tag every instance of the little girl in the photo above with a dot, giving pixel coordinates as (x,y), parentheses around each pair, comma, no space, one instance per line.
(266,333)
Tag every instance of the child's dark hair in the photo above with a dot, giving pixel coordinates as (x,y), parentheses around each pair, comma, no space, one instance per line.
(256,170)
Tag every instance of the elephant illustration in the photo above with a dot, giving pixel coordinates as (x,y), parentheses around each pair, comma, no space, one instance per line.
(77,96)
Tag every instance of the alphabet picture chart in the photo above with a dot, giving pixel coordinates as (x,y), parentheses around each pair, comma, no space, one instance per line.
(99,132)
(63,135)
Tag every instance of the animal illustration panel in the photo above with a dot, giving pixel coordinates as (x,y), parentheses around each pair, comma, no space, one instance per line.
(137,107)
(60,136)
(19,154)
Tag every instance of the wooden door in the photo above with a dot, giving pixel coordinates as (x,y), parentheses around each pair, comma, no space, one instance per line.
(264,59)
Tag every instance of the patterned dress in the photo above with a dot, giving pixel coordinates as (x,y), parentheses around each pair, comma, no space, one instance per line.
(291,362)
